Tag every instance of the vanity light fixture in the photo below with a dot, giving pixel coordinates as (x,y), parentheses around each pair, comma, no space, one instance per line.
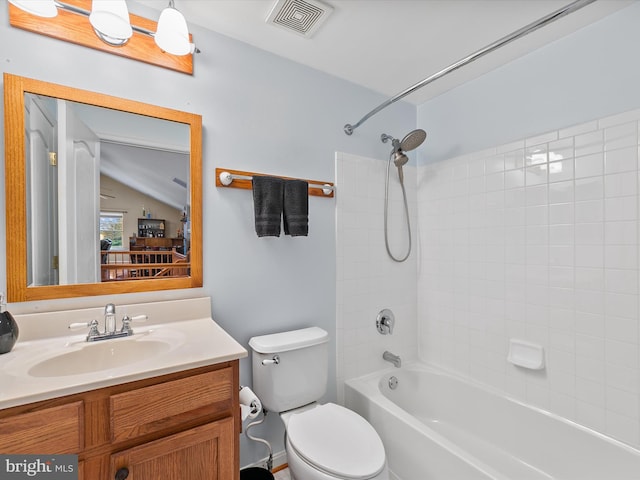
(111,22)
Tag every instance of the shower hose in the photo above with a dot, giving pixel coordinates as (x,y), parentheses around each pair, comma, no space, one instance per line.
(386,209)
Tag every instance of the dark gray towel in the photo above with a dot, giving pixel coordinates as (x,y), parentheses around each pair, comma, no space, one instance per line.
(296,208)
(267,205)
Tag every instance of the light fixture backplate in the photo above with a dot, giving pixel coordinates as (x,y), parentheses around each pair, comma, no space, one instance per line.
(75,28)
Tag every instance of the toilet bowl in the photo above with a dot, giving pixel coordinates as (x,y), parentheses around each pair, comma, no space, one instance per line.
(323,441)
(329,442)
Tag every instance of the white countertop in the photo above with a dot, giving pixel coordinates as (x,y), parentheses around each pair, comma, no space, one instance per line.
(184,328)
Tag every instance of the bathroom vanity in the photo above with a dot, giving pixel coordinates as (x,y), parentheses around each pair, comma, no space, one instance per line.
(171,413)
(161,403)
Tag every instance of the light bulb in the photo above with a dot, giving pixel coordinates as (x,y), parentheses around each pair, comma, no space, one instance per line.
(110,21)
(41,8)
(173,35)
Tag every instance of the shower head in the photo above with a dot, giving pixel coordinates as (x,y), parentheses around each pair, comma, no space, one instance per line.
(413,140)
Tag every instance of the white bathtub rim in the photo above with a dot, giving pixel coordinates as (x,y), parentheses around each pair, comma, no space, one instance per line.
(365,386)
(438,370)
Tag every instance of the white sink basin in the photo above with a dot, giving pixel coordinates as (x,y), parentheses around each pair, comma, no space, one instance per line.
(47,362)
(51,359)
(95,357)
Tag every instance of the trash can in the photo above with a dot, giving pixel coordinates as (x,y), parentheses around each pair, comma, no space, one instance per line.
(255,473)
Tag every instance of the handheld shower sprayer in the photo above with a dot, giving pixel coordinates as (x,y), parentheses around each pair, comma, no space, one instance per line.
(410,142)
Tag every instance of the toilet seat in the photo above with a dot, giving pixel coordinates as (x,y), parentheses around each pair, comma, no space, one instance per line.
(337,441)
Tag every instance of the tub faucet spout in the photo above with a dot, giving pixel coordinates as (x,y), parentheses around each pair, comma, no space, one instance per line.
(390,357)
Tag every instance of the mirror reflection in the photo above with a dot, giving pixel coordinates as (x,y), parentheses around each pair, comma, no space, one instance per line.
(103,194)
(108,194)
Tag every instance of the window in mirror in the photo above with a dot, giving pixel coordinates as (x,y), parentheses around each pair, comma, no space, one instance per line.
(111,230)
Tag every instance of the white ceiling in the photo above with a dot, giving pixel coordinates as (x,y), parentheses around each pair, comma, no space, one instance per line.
(389,45)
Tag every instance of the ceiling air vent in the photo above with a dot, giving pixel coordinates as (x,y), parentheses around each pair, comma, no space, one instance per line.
(303,17)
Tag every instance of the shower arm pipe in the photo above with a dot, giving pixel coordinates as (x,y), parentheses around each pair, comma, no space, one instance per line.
(541,22)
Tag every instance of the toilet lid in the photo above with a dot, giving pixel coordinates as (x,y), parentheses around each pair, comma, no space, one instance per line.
(337,441)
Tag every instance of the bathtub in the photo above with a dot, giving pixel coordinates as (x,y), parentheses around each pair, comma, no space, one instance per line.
(435,425)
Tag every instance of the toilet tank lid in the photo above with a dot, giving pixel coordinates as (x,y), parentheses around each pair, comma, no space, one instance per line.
(292,340)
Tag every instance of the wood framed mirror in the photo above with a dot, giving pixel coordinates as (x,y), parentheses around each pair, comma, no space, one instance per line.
(57,223)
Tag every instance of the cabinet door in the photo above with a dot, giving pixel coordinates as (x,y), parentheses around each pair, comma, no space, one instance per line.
(202,453)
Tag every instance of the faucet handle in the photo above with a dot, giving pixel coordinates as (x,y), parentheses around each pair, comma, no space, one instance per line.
(91,324)
(126,321)
(93,328)
(385,322)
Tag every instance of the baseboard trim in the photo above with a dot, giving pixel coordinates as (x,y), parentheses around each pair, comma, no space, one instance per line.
(284,466)
(279,462)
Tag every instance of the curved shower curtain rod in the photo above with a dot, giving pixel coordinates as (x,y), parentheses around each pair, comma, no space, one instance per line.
(566,10)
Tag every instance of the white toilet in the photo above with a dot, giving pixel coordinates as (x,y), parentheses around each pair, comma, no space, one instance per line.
(323,442)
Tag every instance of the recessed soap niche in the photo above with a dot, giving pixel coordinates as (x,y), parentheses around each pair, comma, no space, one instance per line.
(525,354)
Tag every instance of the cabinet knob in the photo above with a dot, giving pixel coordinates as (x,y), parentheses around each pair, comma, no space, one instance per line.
(122,473)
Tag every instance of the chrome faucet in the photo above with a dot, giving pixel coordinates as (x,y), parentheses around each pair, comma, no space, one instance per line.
(390,357)
(110,318)
(110,330)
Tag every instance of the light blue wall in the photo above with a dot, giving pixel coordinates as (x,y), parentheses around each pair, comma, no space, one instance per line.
(589,74)
(260,113)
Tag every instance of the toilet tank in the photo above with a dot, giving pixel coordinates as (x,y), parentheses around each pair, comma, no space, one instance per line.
(300,375)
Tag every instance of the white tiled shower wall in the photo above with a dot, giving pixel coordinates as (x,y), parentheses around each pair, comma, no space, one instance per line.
(367,279)
(539,240)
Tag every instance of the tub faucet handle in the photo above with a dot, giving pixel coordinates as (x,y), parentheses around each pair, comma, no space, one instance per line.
(385,322)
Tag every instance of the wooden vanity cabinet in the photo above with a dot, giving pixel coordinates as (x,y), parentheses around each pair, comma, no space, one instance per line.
(181,426)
